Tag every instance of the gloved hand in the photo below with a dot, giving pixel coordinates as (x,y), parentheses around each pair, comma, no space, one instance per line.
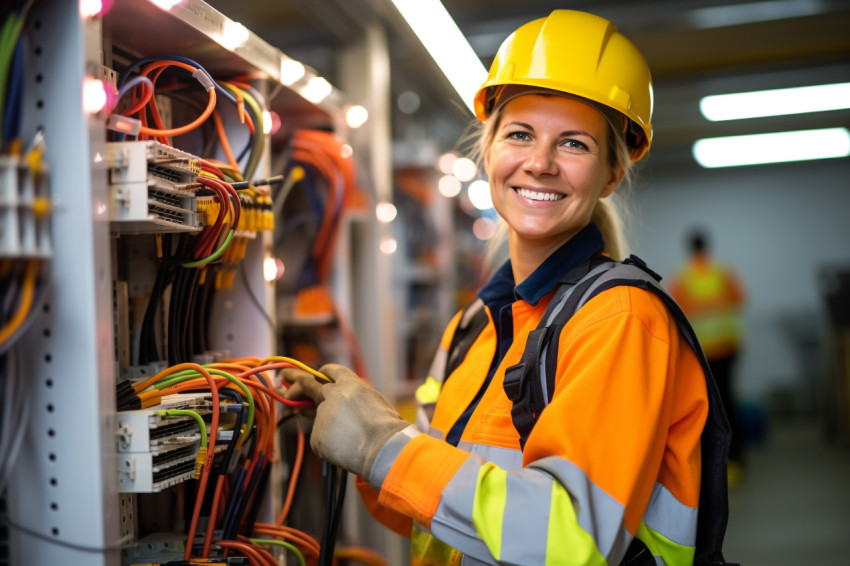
(353,421)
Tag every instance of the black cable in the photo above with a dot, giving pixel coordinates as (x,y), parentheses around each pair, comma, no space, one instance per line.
(340,499)
(4,518)
(256,503)
(326,552)
(254,299)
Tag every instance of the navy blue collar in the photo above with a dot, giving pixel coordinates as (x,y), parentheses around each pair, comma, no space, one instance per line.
(500,290)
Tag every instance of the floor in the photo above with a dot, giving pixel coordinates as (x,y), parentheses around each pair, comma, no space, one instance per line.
(792,506)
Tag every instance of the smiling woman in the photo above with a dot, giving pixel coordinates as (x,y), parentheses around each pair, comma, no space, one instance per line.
(578,441)
(548,167)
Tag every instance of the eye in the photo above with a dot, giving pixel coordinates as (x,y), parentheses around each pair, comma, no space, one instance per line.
(574,144)
(518,135)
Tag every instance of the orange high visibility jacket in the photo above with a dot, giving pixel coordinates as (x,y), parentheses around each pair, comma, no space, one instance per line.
(711,296)
(616,453)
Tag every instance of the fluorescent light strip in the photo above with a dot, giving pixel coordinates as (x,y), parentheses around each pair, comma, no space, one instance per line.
(440,35)
(776,102)
(758,149)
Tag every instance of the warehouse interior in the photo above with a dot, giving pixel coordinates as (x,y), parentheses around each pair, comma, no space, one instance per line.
(350,251)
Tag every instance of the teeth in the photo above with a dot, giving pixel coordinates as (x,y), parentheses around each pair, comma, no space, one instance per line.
(534,195)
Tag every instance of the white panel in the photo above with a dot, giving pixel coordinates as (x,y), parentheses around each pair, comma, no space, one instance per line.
(65,489)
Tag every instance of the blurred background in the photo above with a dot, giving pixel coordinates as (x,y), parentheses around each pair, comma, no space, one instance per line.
(782,226)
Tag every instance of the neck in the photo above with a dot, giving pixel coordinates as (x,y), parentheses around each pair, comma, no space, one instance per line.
(528,254)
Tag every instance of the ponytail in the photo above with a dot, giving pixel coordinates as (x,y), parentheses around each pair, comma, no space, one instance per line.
(606,216)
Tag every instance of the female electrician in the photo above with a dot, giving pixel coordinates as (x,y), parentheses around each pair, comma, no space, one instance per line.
(615,456)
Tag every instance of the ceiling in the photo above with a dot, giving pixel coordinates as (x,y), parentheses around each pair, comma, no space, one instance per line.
(694,47)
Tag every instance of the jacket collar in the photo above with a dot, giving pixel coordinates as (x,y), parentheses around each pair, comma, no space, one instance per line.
(500,290)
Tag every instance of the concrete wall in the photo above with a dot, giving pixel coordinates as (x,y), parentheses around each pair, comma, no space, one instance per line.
(778,225)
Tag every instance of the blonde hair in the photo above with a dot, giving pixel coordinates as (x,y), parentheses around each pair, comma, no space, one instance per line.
(609,211)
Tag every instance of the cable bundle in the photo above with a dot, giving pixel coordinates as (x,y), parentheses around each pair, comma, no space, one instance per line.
(239,474)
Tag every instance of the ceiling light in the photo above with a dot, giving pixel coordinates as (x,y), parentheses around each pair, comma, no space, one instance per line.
(386,212)
(464,169)
(737,14)
(776,102)
(317,89)
(440,35)
(445,162)
(758,149)
(479,194)
(234,35)
(449,186)
(356,116)
(291,71)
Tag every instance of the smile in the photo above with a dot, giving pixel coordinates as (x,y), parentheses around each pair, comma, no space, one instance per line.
(535,195)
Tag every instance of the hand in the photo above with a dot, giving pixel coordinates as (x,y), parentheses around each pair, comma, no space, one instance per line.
(353,420)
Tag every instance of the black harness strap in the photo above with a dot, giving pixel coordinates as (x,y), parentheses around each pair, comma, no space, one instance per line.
(471,323)
(525,382)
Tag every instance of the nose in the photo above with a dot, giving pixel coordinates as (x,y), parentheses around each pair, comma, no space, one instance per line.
(540,161)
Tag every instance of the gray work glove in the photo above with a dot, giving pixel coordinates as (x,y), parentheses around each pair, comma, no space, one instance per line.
(353,421)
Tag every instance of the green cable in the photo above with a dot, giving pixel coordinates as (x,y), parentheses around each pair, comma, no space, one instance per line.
(188,374)
(215,255)
(258,140)
(8,40)
(187,413)
(284,544)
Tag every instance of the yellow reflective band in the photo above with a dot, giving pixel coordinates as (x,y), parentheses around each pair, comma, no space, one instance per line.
(488,506)
(566,542)
(429,391)
(674,554)
(705,284)
(426,549)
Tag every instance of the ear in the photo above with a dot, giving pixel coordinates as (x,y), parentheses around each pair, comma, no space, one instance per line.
(614,182)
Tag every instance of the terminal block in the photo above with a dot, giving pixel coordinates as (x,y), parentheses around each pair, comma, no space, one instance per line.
(148,188)
(155,451)
(24,208)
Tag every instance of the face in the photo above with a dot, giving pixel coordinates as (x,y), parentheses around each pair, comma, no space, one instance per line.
(548,166)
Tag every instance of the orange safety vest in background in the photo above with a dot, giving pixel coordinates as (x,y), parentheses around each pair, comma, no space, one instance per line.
(711,296)
(616,454)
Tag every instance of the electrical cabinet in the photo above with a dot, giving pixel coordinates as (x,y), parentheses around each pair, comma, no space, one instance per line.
(87,478)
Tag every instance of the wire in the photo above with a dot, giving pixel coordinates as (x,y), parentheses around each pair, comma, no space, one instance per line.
(296,363)
(293,476)
(187,413)
(25,304)
(284,544)
(53,540)
(253,296)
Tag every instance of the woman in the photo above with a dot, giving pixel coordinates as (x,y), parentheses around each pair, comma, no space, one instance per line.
(615,456)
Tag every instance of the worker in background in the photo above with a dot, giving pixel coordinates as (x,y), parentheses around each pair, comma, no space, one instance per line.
(610,472)
(712,296)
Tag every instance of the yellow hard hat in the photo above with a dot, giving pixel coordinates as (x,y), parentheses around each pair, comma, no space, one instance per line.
(579,54)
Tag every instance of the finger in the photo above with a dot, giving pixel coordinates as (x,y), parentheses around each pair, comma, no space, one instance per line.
(339,373)
(302,385)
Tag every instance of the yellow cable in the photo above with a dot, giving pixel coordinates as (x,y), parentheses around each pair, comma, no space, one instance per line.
(30,275)
(296,363)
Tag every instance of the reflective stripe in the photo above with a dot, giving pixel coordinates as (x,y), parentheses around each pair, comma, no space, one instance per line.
(562,536)
(438,365)
(508,459)
(524,531)
(488,506)
(671,518)
(665,551)
(598,513)
(451,522)
(387,455)
(429,391)
(435,432)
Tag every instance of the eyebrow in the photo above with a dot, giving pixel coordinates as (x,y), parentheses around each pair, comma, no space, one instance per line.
(565,133)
